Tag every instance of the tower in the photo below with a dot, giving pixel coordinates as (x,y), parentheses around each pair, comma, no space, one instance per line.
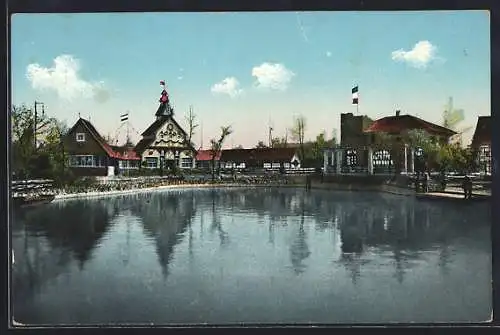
(165,109)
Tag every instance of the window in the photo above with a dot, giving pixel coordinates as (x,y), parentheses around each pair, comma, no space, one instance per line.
(382,158)
(80,137)
(87,161)
(151,162)
(485,159)
(128,164)
(351,157)
(186,162)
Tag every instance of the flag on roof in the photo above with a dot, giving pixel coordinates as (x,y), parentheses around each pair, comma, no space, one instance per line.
(355,96)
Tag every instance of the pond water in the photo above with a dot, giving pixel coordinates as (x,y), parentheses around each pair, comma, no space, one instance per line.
(251,255)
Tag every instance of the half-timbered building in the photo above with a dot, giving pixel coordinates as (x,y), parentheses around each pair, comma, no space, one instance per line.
(165,144)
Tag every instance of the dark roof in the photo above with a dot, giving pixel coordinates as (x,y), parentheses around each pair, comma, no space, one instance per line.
(111,151)
(160,122)
(143,144)
(482,134)
(95,134)
(258,154)
(206,155)
(397,124)
(154,127)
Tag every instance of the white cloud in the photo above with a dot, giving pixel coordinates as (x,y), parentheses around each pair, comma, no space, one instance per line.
(328,54)
(420,56)
(180,77)
(229,86)
(64,79)
(272,76)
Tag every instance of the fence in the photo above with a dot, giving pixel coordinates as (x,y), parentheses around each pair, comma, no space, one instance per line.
(22,188)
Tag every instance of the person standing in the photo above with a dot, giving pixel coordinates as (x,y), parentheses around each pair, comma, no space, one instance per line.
(426,182)
(467,187)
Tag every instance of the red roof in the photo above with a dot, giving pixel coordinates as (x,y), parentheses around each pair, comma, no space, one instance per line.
(206,155)
(482,134)
(400,123)
(125,153)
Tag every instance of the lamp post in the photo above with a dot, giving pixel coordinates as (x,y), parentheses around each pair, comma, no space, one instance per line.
(37,103)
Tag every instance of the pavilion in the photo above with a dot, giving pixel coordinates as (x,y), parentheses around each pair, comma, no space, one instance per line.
(396,125)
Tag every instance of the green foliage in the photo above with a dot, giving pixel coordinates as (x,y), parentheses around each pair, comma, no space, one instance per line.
(318,148)
(46,161)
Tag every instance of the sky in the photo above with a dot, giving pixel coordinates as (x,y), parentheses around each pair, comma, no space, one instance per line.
(251,70)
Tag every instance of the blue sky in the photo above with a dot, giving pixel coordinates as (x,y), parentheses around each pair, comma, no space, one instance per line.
(244,69)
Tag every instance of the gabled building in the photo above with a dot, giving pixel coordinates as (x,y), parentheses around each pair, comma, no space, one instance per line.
(164,143)
(266,158)
(481,143)
(398,124)
(90,155)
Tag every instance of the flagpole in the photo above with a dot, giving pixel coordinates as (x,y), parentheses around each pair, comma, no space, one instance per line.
(126,144)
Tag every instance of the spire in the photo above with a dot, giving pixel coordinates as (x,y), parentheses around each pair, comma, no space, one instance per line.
(164,109)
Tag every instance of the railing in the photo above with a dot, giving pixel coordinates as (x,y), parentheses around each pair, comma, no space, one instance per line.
(23,188)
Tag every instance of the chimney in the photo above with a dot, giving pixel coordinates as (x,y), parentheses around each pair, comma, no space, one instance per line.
(398,112)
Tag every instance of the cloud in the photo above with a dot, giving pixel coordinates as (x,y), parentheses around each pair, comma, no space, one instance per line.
(420,56)
(63,78)
(328,54)
(180,77)
(272,76)
(229,86)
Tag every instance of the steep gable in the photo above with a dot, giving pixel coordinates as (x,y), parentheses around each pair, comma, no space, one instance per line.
(170,133)
(482,134)
(93,140)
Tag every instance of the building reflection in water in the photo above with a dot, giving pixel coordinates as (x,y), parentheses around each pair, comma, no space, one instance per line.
(299,249)
(49,240)
(400,227)
(165,218)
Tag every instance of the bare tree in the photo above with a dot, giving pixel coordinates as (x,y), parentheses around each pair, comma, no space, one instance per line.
(261,144)
(192,124)
(297,132)
(216,146)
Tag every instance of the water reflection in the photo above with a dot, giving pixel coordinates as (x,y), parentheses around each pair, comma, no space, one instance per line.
(218,240)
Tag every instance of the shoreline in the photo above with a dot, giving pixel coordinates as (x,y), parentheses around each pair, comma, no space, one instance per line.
(326,186)
(381,188)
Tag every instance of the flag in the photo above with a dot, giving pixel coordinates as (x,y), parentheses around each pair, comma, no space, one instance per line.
(355,96)
(124,117)
(162,82)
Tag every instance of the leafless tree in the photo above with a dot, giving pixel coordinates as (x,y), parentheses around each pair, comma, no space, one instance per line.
(216,146)
(297,132)
(191,122)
